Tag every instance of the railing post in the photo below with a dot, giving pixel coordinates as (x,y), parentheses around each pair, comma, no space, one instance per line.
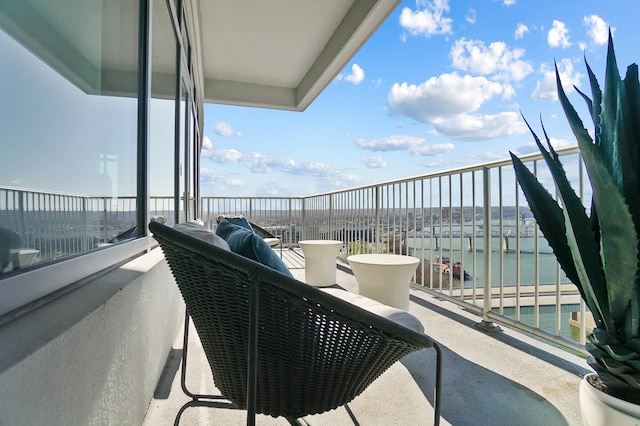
(377,216)
(331,215)
(21,215)
(104,219)
(486,322)
(304,219)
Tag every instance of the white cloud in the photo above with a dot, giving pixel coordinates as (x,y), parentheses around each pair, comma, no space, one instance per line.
(356,76)
(225,129)
(466,159)
(530,147)
(338,182)
(476,127)
(260,163)
(351,178)
(447,101)
(509,91)
(546,87)
(509,2)
(429,20)
(224,155)
(217,180)
(597,29)
(375,162)
(558,35)
(521,30)
(445,95)
(471,16)
(313,169)
(412,144)
(432,150)
(206,143)
(496,59)
(391,143)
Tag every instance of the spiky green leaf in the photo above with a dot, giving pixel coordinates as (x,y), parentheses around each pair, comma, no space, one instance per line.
(595,105)
(618,244)
(607,142)
(631,328)
(629,145)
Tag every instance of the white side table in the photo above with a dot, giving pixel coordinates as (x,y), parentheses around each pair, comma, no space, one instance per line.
(384,277)
(320,261)
(23,257)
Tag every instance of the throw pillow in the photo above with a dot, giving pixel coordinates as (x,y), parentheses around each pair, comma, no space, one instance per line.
(246,243)
(198,231)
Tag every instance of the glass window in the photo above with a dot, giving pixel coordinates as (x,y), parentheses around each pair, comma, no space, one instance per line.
(68,127)
(162,113)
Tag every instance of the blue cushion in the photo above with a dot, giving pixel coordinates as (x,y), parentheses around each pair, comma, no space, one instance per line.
(246,243)
(236,220)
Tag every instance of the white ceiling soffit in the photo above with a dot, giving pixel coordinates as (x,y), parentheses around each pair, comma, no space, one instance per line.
(281,53)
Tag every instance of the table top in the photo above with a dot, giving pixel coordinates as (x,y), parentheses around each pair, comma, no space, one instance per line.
(383,259)
(320,242)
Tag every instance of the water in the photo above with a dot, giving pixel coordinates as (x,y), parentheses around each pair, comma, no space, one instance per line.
(545,270)
(547,267)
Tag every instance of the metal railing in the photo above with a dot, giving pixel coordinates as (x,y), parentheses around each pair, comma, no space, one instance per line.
(282,216)
(54,225)
(471,228)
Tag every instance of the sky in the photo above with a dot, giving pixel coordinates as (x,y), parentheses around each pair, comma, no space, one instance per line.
(441,85)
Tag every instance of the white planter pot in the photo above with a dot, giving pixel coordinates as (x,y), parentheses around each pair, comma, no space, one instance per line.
(600,409)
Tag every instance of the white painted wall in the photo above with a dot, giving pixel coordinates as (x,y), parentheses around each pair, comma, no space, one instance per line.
(94,355)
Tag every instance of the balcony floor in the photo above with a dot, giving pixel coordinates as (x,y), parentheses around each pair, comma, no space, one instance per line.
(489,378)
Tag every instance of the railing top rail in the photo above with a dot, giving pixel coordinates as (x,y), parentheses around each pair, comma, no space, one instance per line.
(74,195)
(249,197)
(40,191)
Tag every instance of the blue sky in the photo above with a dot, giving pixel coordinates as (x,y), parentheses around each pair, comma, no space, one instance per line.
(439,86)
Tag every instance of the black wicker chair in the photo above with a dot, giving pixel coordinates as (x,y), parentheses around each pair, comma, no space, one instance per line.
(275,345)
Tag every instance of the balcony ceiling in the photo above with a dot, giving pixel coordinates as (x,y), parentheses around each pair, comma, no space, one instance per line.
(281,54)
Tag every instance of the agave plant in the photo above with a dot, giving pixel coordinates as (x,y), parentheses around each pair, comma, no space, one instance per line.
(599,252)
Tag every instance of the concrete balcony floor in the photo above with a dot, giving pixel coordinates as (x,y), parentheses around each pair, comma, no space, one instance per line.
(489,378)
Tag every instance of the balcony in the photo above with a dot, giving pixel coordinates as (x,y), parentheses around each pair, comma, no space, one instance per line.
(497,377)
(527,368)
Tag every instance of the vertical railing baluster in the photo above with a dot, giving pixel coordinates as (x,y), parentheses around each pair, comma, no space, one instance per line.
(486,206)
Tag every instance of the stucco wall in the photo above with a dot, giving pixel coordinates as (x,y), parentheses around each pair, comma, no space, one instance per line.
(94,355)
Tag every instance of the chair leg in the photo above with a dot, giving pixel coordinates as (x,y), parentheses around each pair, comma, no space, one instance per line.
(351,415)
(197,400)
(199,403)
(183,373)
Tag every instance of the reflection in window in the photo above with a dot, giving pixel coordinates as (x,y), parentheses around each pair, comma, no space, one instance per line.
(68,127)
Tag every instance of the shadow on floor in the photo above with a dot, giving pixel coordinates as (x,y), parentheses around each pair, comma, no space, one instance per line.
(474,395)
